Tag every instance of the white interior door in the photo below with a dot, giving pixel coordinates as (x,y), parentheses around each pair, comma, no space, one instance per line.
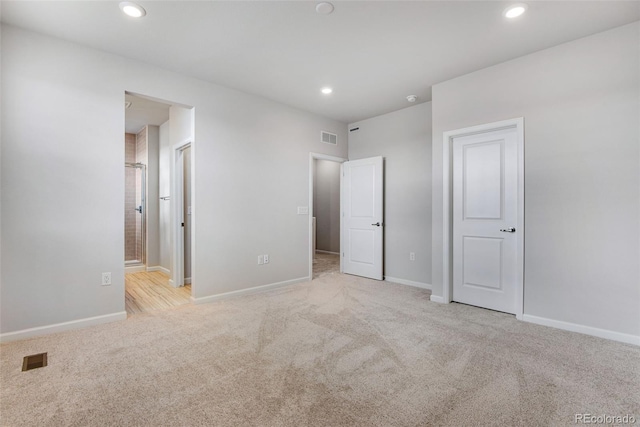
(363,192)
(485,216)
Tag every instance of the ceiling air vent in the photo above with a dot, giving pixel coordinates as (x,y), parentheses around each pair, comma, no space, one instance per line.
(329,138)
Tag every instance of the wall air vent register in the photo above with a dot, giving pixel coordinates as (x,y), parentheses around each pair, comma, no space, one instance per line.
(329,138)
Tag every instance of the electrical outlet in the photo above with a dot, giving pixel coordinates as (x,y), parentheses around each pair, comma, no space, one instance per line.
(260,260)
(412,256)
(266,259)
(106,279)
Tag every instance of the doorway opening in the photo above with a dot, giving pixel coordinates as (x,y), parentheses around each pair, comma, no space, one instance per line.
(325,214)
(153,128)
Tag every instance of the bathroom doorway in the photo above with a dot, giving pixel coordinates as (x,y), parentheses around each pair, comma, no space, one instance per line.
(152,127)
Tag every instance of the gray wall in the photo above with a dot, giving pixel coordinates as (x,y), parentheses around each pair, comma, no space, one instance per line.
(53,253)
(326,205)
(181,130)
(153,201)
(164,185)
(403,138)
(581,109)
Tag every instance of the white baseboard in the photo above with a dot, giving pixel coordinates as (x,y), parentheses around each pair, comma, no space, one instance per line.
(408,282)
(254,290)
(64,326)
(587,330)
(135,269)
(439,300)
(187,280)
(327,252)
(159,268)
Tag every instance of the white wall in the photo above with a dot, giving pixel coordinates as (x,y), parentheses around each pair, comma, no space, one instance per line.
(326,205)
(403,138)
(181,131)
(153,201)
(182,124)
(62,226)
(580,103)
(164,185)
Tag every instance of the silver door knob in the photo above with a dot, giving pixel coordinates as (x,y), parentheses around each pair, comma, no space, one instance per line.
(508,230)
(377,224)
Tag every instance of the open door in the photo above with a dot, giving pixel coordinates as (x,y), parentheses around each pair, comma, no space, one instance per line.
(363,220)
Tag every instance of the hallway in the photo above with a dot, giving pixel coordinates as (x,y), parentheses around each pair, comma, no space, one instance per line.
(325,264)
(146,292)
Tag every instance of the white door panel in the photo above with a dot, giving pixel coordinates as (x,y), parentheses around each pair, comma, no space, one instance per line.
(482,265)
(485,201)
(363,190)
(361,245)
(482,185)
(363,198)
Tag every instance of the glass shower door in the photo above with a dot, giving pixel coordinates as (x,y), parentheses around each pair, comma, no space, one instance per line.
(134,214)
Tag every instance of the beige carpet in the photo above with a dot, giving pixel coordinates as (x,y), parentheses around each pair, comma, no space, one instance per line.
(324,264)
(336,351)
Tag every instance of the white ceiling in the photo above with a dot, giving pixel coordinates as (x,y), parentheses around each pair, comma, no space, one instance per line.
(372,53)
(143,111)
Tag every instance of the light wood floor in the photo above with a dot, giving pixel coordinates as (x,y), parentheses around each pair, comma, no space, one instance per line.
(150,291)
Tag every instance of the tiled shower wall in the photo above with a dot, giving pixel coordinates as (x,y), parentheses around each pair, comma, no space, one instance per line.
(130,199)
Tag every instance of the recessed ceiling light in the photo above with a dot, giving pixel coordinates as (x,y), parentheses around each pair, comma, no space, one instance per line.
(132,9)
(327,90)
(515,10)
(412,98)
(324,8)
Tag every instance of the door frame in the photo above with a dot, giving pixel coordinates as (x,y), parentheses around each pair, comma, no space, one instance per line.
(447,205)
(177,212)
(341,160)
